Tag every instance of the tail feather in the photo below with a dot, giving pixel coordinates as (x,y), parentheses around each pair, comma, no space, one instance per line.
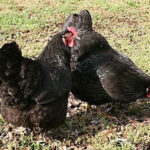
(10,60)
(82,20)
(87,20)
(72,20)
(21,77)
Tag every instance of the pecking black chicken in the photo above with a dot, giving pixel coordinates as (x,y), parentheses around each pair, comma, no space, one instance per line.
(101,74)
(35,92)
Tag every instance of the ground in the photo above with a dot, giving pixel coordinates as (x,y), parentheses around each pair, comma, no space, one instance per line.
(126,26)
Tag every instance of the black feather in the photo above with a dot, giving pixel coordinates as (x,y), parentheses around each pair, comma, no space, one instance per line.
(35,92)
(100,73)
(79,21)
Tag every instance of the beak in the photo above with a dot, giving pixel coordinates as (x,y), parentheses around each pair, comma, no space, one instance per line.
(78,38)
(147,90)
(63,36)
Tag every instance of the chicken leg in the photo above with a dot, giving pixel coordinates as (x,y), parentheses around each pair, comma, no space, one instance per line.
(101,114)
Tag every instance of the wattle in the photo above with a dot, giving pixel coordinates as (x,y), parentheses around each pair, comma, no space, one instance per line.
(71,43)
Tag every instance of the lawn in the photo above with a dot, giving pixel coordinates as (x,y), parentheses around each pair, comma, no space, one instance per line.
(126,26)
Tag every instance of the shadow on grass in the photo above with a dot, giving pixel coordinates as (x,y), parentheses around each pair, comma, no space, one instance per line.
(80,126)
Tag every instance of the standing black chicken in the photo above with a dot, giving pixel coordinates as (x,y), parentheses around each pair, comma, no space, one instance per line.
(35,92)
(100,73)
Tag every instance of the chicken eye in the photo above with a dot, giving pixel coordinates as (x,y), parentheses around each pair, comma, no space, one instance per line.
(68,36)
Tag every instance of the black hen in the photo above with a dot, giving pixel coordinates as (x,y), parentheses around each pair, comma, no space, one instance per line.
(100,73)
(35,92)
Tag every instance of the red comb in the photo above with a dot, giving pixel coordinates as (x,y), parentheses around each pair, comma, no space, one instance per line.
(72,29)
(148,95)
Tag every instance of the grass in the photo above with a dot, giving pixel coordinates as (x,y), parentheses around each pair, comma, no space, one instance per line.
(126,26)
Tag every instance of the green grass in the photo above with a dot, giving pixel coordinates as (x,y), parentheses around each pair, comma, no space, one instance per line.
(129,137)
(126,26)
